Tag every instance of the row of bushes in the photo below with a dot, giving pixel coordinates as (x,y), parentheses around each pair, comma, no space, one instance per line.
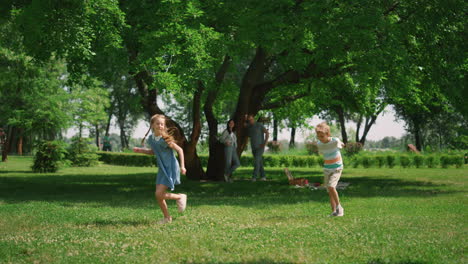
(366,161)
(405,161)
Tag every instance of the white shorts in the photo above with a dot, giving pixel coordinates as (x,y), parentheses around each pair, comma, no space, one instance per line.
(331,177)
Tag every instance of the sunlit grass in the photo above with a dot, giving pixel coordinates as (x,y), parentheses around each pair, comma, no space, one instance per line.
(107,214)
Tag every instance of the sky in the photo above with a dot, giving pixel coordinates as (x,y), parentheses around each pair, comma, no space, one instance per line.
(385,126)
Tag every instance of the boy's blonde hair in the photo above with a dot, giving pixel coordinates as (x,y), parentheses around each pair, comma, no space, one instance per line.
(323,128)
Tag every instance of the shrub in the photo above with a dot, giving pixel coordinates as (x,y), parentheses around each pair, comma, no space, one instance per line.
(274,146)
(380,160)
(82,153)
(127,159)
(355,161)
(366,161)
(447,160)
(311,161)
(418,161)
(405,161)
(432,161)
(312,148)
(458,161)
(285,161)
(391,161)
(49,156)
(353,148)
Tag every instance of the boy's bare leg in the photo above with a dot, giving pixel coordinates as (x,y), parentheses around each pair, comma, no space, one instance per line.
(334,199)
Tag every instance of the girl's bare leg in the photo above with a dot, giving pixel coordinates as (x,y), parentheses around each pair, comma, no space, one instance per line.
(162,196)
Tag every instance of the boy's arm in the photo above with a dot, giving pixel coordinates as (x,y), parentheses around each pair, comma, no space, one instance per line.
(143,151)
(179,150)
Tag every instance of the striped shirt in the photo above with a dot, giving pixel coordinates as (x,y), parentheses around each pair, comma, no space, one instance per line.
(331,153)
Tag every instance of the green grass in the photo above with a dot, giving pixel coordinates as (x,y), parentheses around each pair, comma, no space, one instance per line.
(107,214)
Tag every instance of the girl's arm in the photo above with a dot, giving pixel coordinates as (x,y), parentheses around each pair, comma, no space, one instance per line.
(143,150)
(179,150)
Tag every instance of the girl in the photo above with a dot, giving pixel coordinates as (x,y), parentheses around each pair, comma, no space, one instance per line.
(162,144)
(229,139)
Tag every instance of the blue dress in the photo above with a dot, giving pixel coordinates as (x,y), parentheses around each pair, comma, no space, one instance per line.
(168,166)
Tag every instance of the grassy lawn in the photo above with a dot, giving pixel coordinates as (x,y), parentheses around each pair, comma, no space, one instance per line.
(107,214)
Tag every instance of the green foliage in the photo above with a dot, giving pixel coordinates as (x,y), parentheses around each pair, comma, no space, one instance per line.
(447,160)
(405,161)
(127,159)
(391,160)
(49,157)
(367,161)
(432,161)
(380,160)
(418,160)
(82,153)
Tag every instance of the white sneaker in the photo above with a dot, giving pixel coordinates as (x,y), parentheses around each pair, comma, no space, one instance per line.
(263,179)
(226,177)
(339,210)
(182,203)
(165,221)
(254,179)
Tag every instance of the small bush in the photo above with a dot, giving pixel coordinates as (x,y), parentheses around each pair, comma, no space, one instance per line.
(366,161)
(82,153)
(274,146)
(285,161)
(447,160)
(311,161)
(380,161)
(418,161)
(405,161)
(312,148)
(353,148)
(432,161)
(391,161)
(49,156)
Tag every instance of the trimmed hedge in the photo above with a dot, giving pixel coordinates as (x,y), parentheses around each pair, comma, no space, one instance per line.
(363,160)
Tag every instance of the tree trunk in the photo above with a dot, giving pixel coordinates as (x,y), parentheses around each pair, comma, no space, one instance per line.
(7,145)
(292,141)
(215,168)
(19,144)
(342,121)
(108,124)
(247,102)
(369,123)
(275,129)
(358,127)
(417,136)
(97,136)
(150,105)
(123,136)
(193,164)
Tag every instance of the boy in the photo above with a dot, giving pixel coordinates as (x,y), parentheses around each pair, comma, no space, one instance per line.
(333,165)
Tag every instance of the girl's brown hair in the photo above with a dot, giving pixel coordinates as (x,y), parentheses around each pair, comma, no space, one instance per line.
(166,134)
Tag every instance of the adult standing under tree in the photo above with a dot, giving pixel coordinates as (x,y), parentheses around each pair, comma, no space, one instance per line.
(258,137)
(229,139)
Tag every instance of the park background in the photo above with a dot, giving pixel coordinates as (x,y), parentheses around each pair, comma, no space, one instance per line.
(70,70)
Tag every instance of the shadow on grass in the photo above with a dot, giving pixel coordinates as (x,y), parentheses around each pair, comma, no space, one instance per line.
(260,261)
(137,190)
(379,261)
